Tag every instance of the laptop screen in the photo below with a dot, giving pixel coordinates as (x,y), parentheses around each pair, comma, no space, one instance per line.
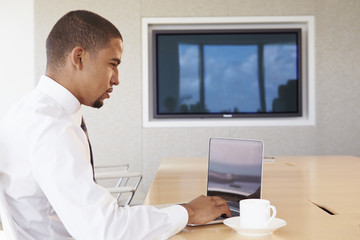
(235,168)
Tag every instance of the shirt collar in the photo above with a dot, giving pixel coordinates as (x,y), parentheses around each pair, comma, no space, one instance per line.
(61,95)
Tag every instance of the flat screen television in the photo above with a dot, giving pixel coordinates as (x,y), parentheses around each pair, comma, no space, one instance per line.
(227,73)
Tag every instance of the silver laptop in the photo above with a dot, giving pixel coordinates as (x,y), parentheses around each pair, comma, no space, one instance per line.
(235,171)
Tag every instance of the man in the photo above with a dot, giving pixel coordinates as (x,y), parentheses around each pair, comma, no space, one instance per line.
(45,168)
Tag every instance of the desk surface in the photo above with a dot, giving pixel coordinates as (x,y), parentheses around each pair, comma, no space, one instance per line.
(297,186)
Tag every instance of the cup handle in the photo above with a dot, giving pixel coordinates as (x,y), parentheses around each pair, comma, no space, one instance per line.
(273,214)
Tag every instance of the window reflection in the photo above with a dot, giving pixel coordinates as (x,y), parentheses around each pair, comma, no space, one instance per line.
(228,74)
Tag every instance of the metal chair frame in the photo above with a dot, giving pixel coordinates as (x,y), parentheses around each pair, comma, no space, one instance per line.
(123,175)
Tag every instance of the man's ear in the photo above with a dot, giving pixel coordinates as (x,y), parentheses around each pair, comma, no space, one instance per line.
(77,55)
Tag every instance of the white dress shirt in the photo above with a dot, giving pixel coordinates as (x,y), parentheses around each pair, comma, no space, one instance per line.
(46,174)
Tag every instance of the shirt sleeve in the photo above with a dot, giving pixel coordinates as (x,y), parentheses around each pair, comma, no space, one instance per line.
(61,166)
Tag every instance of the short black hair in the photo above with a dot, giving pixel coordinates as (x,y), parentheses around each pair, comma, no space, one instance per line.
(78,28)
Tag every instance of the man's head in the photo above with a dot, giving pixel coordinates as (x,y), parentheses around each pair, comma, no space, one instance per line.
(83,51)
(78,28)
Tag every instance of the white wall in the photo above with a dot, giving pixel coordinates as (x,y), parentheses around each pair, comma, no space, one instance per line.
(16,51)
(116,129)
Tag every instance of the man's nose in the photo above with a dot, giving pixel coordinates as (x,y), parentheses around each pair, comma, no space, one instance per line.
(115,79)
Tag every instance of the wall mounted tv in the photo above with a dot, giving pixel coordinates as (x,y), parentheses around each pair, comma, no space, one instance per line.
(227,73)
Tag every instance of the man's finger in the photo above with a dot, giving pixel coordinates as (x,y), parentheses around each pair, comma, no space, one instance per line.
(222,206)
(224,209)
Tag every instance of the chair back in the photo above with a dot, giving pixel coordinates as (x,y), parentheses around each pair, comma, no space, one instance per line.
(6,218)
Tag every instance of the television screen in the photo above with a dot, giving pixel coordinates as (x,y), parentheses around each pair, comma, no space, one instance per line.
(227,73)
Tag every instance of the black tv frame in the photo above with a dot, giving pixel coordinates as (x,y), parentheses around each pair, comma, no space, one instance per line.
(204,115)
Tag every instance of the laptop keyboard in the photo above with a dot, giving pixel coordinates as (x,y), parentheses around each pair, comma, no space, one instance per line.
(233,204)
(234,208)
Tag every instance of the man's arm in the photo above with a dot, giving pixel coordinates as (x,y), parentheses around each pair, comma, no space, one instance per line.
(205,209)
(62,169)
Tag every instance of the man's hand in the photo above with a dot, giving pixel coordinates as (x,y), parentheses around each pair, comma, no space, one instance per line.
(205,209)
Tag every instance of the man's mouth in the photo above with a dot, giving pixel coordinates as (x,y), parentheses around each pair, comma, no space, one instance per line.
(107,94)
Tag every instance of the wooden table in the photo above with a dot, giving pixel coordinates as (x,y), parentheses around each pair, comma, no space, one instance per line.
(318,196)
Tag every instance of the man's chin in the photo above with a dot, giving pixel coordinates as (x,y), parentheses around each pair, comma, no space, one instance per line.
(98,104)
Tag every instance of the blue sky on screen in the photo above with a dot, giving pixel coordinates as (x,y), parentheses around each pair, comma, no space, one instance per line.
(237,66)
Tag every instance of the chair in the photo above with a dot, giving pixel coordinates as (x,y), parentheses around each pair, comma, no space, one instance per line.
(8,224)
(126,182)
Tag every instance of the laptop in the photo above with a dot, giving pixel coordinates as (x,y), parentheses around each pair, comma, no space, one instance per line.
(234,171)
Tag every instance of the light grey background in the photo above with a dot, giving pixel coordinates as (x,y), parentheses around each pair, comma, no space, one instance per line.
(116,130)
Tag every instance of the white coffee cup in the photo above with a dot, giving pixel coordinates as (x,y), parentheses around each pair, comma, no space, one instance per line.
(255,213)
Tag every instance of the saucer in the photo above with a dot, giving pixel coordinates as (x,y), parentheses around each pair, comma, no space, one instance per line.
(234,223)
